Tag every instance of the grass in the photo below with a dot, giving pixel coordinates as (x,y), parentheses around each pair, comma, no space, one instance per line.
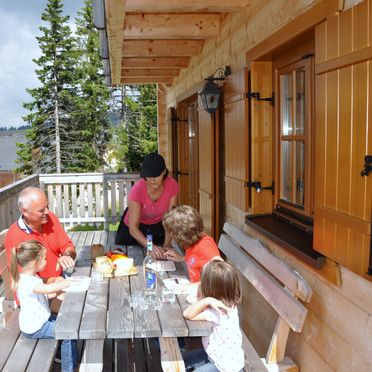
(112,227)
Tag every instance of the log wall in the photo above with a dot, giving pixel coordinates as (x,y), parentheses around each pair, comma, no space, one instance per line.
(338,329)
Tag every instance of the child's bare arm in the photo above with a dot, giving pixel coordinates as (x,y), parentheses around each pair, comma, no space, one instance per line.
(171,254)
(194,311)
(51,288)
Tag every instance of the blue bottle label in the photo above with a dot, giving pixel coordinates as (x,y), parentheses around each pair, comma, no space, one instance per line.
(150,280)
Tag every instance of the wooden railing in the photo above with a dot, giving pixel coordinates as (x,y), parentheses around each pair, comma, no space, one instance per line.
(89,197)
(9,199)
(76,198)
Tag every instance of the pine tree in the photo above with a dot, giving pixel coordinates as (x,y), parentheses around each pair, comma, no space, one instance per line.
(137,134)
(49,141)
(91,118)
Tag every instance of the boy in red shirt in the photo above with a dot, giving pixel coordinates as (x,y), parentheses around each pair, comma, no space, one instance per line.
(185,226)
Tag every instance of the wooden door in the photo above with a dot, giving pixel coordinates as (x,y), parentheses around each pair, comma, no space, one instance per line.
(181,169)
(193,139)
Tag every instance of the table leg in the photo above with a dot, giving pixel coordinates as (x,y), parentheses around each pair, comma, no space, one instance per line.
(170,354)
(121,355)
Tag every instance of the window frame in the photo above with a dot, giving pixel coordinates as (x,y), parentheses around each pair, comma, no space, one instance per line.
(307,211)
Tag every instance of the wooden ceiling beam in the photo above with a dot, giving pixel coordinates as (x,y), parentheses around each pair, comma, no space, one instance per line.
(155,62)
(171,26)
(115,15)
(141,72)
(146,80)
(186,6)
(161,48)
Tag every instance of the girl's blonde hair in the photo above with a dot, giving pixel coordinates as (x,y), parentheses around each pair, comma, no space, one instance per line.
(184,224)
(220,280)
(26,252)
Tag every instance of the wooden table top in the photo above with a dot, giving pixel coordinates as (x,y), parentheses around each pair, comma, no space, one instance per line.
(104,312)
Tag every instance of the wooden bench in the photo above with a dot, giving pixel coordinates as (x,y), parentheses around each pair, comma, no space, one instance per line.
(281,286)
(6,296)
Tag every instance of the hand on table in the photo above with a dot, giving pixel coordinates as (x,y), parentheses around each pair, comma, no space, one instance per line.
(157,252)
(65,262)
(171,254)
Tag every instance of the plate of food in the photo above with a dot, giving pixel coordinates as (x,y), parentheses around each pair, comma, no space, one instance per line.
(115,265)
(78,284)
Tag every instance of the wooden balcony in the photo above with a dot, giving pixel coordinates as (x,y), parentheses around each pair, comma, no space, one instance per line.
(76,198)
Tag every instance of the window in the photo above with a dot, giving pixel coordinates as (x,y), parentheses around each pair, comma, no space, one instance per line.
(295,87)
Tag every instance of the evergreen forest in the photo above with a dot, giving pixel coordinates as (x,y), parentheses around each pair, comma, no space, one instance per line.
(77,123)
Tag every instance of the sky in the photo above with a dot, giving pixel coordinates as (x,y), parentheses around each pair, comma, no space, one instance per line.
(19,25)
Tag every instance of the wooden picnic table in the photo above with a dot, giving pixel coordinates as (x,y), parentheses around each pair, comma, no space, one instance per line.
(103,312)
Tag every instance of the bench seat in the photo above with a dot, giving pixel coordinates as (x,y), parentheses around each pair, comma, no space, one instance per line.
(18,353)
(282,287)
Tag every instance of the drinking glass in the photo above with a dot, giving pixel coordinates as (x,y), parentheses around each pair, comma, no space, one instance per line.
(97,276)
(168,296)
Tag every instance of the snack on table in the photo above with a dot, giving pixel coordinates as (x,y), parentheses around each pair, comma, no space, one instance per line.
(104,265)
(115,265)
(123,263)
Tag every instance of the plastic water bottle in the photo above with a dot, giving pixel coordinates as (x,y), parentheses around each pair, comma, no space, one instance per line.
(149,271)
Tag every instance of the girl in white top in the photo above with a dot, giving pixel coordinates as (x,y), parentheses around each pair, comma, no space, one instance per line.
(35,318)
(220,291)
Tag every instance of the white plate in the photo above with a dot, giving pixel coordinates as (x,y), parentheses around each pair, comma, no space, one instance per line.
(83,285)
(176,284)
(160,265)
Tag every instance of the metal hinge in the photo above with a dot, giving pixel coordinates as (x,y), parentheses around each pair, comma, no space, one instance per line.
(258,187)
(257,97)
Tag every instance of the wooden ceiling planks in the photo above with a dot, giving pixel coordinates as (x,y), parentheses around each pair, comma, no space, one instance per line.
(158,72)
(146,80)
(187,6)
(155,62)
(171,26)
(152,40)
(162,48)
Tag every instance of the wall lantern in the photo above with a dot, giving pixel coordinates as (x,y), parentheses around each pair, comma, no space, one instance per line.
(211,92)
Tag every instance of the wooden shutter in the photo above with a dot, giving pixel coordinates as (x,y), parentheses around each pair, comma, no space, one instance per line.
(236,139)
(261,137)
(343,136)
(206,168)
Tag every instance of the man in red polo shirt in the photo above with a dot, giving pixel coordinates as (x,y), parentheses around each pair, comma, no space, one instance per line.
(38,223)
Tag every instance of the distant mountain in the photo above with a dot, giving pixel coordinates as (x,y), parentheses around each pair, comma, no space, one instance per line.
(8,148)
(11,128)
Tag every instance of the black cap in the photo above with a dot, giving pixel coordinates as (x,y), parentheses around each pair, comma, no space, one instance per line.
(153,165)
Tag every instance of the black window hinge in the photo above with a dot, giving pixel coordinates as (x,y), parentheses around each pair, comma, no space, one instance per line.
(258,187)
(257,97)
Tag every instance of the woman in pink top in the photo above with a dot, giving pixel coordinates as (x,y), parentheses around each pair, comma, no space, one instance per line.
(149,199)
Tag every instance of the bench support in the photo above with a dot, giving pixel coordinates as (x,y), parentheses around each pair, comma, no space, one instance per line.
(170,354)
(92,360)
(286,365)
(6,305)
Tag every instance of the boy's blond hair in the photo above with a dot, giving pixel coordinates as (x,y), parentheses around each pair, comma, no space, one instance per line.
(184,224)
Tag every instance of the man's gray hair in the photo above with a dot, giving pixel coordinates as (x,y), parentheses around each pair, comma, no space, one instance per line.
(27,195)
